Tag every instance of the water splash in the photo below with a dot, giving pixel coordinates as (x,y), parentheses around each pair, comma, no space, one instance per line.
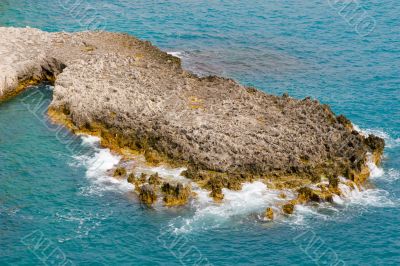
(390,142)
(251,201)
(176,54)
(98,162)
(253,198)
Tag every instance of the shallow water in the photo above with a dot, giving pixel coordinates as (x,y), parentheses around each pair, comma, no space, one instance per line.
(54,190)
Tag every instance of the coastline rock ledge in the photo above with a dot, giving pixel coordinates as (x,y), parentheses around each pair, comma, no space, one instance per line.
(135,96)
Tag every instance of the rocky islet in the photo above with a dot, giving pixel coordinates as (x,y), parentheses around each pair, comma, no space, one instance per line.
(137,97)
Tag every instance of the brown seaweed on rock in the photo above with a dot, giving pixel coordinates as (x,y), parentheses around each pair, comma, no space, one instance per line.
(147,194)
(269,214)
(288,208)
(154,180)
(119,172)
(175,194)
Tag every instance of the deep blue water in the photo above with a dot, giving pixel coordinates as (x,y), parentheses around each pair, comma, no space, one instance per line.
(49,206)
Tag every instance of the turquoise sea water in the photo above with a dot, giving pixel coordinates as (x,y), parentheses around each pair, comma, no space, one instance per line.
(55,209)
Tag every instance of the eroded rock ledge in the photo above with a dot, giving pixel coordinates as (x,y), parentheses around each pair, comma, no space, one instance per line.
(135,96)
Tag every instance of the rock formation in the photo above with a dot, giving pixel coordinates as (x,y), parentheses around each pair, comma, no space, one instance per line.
(269,214)
(135,96)
(175,194)
(147,194)
(119,172)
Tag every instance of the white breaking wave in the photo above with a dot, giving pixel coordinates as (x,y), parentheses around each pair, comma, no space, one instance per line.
(165,172)
(373,197)
(392,175)
(89,140)
(352,200)
(375,171)
(378,173)
(98,165)
(176,54)
(390,142)
(255,197)
(365,197)
(252,199)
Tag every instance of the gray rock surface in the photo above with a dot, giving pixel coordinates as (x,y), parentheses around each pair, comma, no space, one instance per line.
(144,98)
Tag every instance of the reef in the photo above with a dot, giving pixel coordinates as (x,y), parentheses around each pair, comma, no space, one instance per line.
(137,97)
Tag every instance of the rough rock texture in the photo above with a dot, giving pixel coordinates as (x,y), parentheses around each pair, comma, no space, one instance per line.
(23,60)
(147,194)
(152,187)
(136,96)
(119,172)
(154,180)
(175,194)
(288,208)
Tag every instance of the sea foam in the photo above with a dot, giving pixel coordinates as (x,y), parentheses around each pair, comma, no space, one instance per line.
(373,197)
(375,171)
(98,164)
(390,142)
(176,54)
(250,201)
